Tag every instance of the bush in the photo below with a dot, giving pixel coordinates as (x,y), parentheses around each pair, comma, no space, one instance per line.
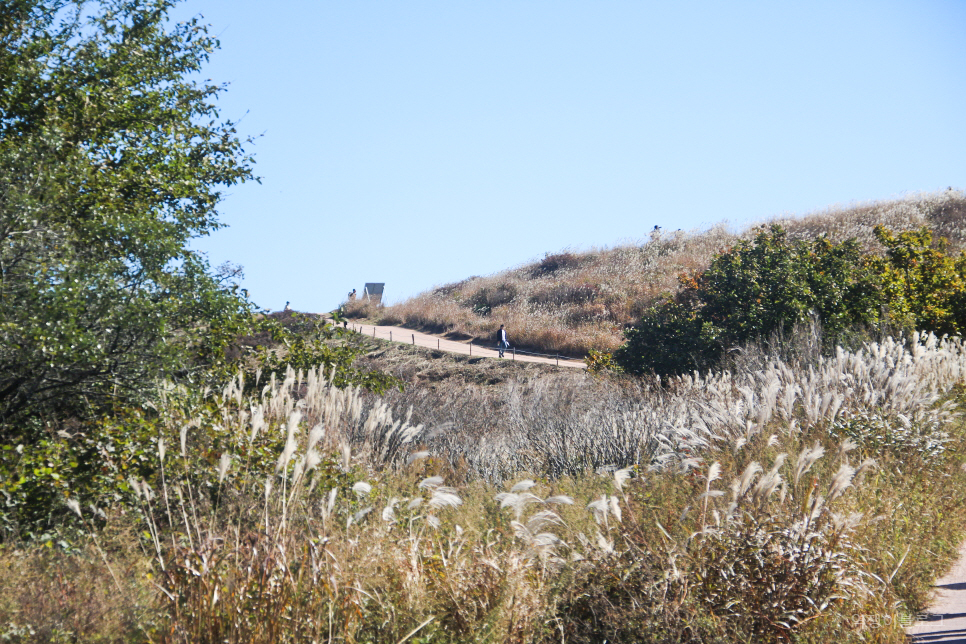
(762,287)
(486,299)
(922,285)
(551,263)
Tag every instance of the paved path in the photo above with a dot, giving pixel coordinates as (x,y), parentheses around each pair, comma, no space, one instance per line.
(408,336)
(945,621)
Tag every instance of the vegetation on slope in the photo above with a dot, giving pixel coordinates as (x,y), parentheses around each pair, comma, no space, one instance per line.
(815,502)
(574,302)
(174,468)
(112,159)
(762,287)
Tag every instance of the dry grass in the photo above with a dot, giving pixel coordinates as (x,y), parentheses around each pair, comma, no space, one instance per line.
(793,496)
(571,302)
(549,422)
(755,505)
(770,508)
(51,595)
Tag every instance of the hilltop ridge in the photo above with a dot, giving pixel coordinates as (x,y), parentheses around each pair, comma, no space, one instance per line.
(574,301)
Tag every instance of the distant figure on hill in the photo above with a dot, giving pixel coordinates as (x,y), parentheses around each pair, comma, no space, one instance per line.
(501,341)
(352,295)
(287,307)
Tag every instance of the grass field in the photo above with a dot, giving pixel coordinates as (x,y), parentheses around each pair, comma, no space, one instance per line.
(574,301)
(790,496)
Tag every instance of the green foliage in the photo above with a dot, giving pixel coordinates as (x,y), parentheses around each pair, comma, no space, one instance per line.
(111,160)
(486,299)
(923,286)
(305,343)
(771,283)
(600,362)
(670,338)
(759,286)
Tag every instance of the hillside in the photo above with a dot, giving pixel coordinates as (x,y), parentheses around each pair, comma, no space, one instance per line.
(572,301)
(397,490)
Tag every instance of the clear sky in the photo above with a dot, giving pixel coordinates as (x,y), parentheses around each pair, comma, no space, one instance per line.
(417,143)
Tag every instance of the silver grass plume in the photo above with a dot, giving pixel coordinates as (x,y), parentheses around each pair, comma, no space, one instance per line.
(620,476)
(522,486)
(769,482)
(290,445)
(223,464)
(806,459)
(741,485)
(184,441)
(845,447)
(600,508)
(389,512)
(416,456)
(431,482)
(74,507)
(841,481)
(445,497)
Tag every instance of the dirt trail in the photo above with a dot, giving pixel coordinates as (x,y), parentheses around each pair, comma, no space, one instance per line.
(945,621)
(408,336)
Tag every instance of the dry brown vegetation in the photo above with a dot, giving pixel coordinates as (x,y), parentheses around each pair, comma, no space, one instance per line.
(790,496)
(83,594)
(571,302)
(794,497)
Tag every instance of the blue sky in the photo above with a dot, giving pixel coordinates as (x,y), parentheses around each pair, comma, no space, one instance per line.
(417,143)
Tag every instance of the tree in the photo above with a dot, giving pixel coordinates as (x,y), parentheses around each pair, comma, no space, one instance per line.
(750,292)
(922,285)
(112,159)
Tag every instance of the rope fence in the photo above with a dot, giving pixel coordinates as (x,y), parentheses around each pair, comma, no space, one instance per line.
(513,351)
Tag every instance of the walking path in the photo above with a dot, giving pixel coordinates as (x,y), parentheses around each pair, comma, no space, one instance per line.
(408,336)
(945,621)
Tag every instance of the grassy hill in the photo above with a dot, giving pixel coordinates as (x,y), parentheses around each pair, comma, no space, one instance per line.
(798,495)
(571,302)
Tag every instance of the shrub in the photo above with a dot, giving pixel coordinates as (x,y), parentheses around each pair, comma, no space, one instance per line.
(486,299)
(923,286)
(551,263)
(671,338)
(760,288)
(600,362)
(301,343)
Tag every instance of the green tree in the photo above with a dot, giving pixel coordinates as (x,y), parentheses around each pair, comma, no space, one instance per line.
(772,281)
(922,285)
(112,159)
(749,293)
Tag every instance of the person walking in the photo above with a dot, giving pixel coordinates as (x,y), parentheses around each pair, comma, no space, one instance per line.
(501,341)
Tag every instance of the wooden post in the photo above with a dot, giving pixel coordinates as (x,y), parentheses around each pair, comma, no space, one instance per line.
(390,336)
(437,344)
(414,339)
(514,352)
(558,359)
(471,348)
